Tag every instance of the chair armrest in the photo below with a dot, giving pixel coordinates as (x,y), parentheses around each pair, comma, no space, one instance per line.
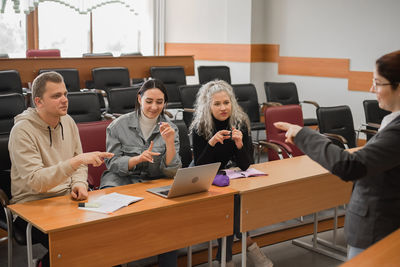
(166,112)
(367,131)
(310,102)
(337,137)
(372,125)
(283,146)
(269,145)
(108,116)
(190,110)
(270,104)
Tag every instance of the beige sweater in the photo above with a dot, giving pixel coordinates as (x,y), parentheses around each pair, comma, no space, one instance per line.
(40,155)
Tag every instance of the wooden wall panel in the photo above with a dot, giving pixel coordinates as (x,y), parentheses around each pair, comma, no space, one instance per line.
(139,67)
(322,67)
(264,53)
(360,80)
(213,52)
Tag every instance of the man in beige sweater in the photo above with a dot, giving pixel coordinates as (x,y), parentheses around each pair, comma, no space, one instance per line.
(45,150)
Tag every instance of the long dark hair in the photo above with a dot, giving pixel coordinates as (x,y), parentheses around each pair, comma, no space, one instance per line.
(388,66)
(152,84)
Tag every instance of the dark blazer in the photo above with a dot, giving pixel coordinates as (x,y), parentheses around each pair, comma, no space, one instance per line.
(374,208)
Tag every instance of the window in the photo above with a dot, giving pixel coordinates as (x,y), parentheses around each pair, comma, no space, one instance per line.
(115,30)
(13,32)
(63,28)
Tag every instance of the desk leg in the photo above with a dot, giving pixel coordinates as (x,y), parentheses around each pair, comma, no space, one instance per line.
(314,246)
(223,252)
(333,244)
(189,256)
(210,258)
(244,249)
(29,244)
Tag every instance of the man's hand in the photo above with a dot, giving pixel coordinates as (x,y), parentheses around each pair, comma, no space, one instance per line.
(94,158)
(79,192)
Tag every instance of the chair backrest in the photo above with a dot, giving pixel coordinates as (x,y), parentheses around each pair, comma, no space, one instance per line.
(10,106)
(246,95)
(105,54)
(5,163)
(337,120)
(134,54)
(211,73)
(284,93)
(185,151)
(84,106)
(172,77)
(10,82)
(71,78)
(287,113)
(93,138)
(110,77)
(188,95)
(122,100)
(43,53)
(373,113)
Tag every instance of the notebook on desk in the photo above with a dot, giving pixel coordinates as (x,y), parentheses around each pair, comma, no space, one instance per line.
(188,181)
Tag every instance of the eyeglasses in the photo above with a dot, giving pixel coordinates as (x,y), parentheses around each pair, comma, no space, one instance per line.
(375,84)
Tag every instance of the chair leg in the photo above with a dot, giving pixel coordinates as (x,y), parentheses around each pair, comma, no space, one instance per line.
(189,256)
(9,236)
(210,253)
(29,244)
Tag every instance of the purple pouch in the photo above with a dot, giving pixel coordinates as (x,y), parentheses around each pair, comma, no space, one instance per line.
(221,180)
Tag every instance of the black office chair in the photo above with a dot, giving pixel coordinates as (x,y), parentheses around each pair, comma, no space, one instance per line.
(172,77)
(106,78)
(188,95)
(338,123)
(10,82)
(10,106)
(373,115)
(84,106)
(185,151)
(286,94)
(134,54)
(70,76)
(6,219)
(211,73)
(122,100)
(105,54)
(246,95)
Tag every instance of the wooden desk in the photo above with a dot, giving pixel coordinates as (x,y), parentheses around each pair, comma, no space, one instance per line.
(293,187)
(149,227)
(139,67)
(384,253)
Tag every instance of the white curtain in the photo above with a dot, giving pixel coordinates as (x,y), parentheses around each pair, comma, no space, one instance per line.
(81,6)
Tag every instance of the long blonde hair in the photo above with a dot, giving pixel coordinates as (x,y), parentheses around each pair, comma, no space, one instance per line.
(202,122)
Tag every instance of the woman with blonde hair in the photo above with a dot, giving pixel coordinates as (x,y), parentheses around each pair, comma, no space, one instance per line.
(221,133)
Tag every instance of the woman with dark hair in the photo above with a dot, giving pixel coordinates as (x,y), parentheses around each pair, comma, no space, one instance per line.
(221,133)
(374,208)
(145,144)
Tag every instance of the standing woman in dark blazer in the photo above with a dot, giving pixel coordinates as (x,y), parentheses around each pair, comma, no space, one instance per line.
(374,208)
(221,133)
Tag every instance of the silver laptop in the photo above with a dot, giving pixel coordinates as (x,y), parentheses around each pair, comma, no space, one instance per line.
(188,181)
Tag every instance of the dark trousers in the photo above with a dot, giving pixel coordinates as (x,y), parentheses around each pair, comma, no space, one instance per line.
(236,232)
(168,259)
(37,237)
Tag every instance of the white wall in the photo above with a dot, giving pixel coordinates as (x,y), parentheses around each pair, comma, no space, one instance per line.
(360,30)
